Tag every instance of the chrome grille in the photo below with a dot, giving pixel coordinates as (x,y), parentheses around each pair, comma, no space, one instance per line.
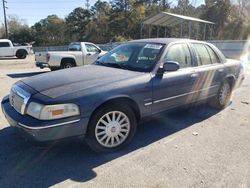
(18,99)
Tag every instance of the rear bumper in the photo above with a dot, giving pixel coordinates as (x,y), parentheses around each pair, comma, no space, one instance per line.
(44,131)
(42,65)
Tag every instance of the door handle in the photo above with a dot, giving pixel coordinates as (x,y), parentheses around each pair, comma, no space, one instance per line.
(194,75)
(89,54)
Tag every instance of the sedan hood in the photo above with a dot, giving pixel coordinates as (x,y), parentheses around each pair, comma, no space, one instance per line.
(59,83)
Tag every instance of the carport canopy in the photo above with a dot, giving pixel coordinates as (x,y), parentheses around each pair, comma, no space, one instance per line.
(165,19)
(169,19)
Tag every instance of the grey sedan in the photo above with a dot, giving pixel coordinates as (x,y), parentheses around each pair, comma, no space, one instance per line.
(105,101)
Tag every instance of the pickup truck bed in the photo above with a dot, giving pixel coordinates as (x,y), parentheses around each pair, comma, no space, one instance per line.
(78,54)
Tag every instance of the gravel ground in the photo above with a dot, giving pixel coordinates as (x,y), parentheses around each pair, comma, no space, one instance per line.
(197,148)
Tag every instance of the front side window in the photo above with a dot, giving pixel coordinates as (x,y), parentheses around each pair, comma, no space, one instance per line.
(179,53)
(4,44)
(91,48)
(76,46)
(202,54)
(133,56)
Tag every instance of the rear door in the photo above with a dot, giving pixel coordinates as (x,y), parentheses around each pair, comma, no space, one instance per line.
(209,70)
(174,89)
(6,49)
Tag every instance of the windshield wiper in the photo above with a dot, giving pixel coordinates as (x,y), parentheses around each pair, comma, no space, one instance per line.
(115,65)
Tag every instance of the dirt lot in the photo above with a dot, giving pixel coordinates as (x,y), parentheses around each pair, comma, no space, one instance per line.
(198,148)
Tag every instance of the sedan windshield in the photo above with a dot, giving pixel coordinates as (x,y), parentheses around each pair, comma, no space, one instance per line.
(133,56)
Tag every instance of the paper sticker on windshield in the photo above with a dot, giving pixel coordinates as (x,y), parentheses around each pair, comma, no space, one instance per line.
(153,46)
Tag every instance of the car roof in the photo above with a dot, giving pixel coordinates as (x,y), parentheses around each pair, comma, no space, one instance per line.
(4,40)
(165,40)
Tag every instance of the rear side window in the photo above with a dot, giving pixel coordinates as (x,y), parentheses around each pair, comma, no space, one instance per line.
(4,44)
(202,54)
(213,56)
(179,53)
(75,46)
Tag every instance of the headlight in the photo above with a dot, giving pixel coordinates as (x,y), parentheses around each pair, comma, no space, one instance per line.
(49,112)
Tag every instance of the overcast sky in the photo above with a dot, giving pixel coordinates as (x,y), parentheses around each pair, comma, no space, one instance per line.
(33,10)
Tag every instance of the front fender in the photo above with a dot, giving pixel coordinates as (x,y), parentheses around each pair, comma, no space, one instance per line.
(92,105)
(106,99)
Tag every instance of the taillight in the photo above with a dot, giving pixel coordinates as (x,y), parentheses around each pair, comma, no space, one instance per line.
(47,57)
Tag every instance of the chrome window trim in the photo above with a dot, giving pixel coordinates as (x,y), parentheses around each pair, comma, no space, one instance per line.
(210,65)
(48,126)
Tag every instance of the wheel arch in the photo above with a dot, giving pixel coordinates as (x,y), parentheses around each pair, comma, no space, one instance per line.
(68,59)
(21,50)
(231,79)
(120,100)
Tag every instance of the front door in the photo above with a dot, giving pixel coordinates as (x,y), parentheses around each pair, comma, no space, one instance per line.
(173,89)
(5,49)
(92,53)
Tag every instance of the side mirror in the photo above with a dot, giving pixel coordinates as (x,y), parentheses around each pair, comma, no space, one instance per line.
(168,66)
(171,66)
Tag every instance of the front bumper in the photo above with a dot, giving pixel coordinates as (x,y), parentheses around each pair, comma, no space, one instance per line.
(43,131)
(42,65)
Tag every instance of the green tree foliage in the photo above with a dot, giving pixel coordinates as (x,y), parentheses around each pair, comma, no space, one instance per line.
(238,27)
(2,31)
(184,7)
(218,12)
(120,20)
(50,31)
(19,31)
(125,19)
(77,23)
(99,27)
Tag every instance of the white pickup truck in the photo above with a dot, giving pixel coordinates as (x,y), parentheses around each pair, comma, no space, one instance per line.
(8,49)
(78,54)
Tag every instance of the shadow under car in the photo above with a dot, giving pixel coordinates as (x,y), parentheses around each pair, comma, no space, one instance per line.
(26,165)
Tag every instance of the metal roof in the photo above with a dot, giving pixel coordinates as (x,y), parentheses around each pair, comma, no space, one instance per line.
(165,40)
(157,40)
(170,19)
(4,40)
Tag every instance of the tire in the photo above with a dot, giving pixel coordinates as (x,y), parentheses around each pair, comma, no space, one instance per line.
(67,64)
(222,99)
(53,68)
(118,134)
(21,54)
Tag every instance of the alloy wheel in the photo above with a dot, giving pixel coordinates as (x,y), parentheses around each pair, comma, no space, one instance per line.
(67,65)
(224,93)
(112,129)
